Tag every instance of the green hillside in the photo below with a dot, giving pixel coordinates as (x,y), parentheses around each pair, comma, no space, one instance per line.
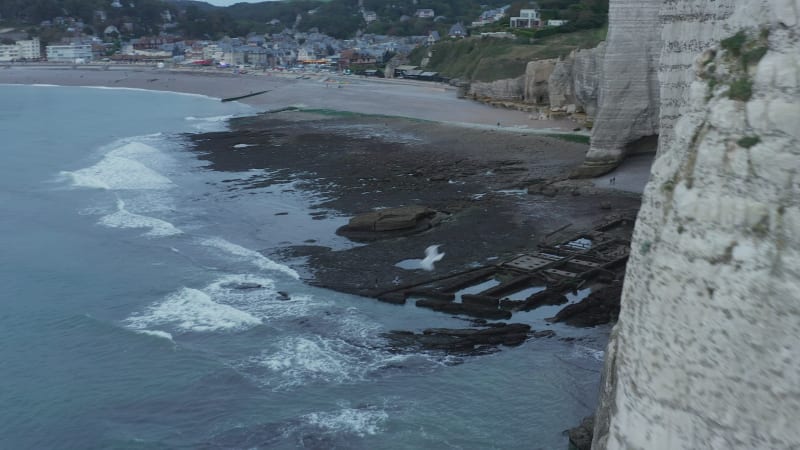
(489,59)
(339,18)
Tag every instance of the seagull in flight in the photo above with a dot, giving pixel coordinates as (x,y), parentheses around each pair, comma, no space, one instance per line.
(431,256)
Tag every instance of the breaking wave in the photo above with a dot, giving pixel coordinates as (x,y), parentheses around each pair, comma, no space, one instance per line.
(193,310)
(250,256)
(360,422)
(122,169)
(126,219)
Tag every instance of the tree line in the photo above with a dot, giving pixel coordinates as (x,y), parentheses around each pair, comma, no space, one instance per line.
(338,18)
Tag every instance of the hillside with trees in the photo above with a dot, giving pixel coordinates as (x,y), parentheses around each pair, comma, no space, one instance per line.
(338,18)
(490,59)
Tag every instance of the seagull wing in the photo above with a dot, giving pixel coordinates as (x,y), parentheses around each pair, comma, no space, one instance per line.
(431,256)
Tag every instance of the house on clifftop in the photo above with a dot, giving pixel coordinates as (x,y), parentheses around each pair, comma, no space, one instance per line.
(457,31)
(528,18)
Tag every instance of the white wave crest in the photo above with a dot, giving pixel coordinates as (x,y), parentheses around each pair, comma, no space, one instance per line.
(125,219)
(579,351)
(156,333)
(216,123)
(121,169)
(361,422)
(209,119)
(193,310)
(251,256)
(302,360)
(155,91)
(259,297)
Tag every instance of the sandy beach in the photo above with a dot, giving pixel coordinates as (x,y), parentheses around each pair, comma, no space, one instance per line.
(405,98)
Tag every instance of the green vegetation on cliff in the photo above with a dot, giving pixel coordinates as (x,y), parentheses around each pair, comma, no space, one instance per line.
(490,59)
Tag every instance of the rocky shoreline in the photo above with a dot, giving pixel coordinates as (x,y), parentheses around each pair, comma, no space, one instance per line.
(404,185)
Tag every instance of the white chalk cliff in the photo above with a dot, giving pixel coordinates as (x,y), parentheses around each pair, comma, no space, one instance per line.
(628,104)
(706,353)
(576,81)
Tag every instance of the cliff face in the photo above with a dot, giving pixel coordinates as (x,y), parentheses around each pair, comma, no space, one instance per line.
(537,77)
(706,353)
(509,89)
(628,104)
(569,85)
(576,80)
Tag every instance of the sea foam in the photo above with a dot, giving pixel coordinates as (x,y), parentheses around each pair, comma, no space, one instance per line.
(361,422)
(581,351)
(121,169)
(207,124)
(156,333)
(126,219)
(250,256)
(300,360)
(193,310)
(259,297)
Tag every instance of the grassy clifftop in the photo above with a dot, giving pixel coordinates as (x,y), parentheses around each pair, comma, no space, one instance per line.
(490,59)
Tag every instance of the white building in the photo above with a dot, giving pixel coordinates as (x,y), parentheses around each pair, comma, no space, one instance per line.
(556,22)
(213,51)
(9,53)
(69,53)
(30,49)
(528,18)
(370,16)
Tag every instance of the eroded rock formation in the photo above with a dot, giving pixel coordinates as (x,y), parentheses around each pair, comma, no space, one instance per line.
(537,76)
(576,81)
(568,85)
(511,89)
(628,105)
(706,353)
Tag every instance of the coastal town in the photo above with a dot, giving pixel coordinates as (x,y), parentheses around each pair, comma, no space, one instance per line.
(106,40)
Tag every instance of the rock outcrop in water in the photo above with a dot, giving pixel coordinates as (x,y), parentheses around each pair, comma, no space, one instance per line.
(705,353)
(628,105)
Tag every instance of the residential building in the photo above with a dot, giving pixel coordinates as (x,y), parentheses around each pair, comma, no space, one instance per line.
(425,13)
(9,53)
(528,18)
(491,16)
(433,37)
(457,31)
(370,16)
(30,49)
(213,51)
(556,22)
(306,54)
(72,53)
(150,42)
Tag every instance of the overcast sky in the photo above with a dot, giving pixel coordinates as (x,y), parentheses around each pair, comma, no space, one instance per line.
(231,2)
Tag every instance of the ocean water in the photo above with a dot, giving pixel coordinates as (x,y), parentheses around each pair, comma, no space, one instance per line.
(140,308)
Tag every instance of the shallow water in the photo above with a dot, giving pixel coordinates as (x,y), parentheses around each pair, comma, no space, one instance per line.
(141,305)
